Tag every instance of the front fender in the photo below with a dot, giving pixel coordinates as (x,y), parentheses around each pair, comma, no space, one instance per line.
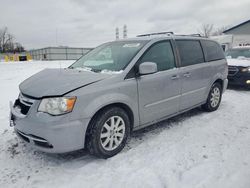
(102,101)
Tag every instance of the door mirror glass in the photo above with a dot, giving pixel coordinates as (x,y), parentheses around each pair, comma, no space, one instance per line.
(147,68)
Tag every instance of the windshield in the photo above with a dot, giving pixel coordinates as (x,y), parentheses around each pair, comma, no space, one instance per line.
(237,53)
(113,56)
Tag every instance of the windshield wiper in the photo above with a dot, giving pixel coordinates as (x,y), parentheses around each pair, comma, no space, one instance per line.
(96,70)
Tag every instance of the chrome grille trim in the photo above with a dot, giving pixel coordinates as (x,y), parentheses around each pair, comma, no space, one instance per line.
(232,70)
(25,100)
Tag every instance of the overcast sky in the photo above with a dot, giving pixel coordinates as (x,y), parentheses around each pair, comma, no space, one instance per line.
(88,23)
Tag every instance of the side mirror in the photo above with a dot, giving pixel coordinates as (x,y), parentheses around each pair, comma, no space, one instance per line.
(147,68)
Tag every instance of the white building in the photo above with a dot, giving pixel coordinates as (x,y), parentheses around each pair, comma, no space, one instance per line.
(238,35)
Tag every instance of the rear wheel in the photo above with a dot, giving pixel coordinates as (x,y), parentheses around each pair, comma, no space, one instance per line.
(109,133)
(214,98)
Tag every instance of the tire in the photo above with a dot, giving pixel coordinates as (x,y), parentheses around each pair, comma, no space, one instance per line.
(214,98)
(109,132)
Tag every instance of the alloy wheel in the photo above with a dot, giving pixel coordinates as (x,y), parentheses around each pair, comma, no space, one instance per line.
(215,97)
(112,133)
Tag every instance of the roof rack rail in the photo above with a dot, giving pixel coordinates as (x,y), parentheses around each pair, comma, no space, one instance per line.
(194,35)
(151,34)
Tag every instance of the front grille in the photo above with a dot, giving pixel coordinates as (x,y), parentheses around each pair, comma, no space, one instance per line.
(232,70)
(23,104)
(21,107)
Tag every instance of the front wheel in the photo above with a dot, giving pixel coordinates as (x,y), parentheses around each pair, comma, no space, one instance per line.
(214,98)
(109,133)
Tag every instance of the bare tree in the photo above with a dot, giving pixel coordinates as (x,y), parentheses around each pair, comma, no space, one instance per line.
(7,43)
(206,30)
(220,30)
(6,39)
(18,47)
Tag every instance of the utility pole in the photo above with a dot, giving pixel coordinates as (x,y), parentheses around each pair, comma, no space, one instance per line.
(125,34)
(56,36)
(117,33)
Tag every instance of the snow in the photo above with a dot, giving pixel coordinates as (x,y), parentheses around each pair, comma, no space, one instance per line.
(238,62)
(194,150)
(242,47)
(105,71)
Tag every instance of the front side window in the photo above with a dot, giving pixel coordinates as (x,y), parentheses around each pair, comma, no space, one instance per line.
(114,56)
(190,52)
(160,53)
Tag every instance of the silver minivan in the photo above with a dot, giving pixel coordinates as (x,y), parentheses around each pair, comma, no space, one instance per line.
(118,87)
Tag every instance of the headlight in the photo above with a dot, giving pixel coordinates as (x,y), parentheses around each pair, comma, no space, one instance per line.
(57,105)
(247,69)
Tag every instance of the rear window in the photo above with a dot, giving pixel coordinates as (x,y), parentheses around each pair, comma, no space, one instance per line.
(212,50)
(190,52)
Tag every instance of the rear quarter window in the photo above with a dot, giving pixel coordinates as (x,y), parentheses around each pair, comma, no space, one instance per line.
(212,50)
(190,52)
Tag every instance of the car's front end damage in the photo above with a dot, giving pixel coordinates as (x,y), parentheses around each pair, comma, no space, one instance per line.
(46,132)
(47,114)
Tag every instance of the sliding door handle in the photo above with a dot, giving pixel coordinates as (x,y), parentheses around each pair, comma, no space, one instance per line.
(175,77)
(187,74)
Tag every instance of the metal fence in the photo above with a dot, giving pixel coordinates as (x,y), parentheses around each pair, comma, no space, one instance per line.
(58,53)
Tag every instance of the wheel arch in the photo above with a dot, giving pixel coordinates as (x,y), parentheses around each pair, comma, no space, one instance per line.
(121,105)
(220,81)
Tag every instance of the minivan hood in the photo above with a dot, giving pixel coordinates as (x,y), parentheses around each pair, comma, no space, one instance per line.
(57,82)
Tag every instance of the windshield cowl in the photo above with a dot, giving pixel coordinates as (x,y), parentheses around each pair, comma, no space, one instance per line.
(111,72)
(105,71)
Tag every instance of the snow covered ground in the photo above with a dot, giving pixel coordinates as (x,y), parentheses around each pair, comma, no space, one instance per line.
(193,150)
